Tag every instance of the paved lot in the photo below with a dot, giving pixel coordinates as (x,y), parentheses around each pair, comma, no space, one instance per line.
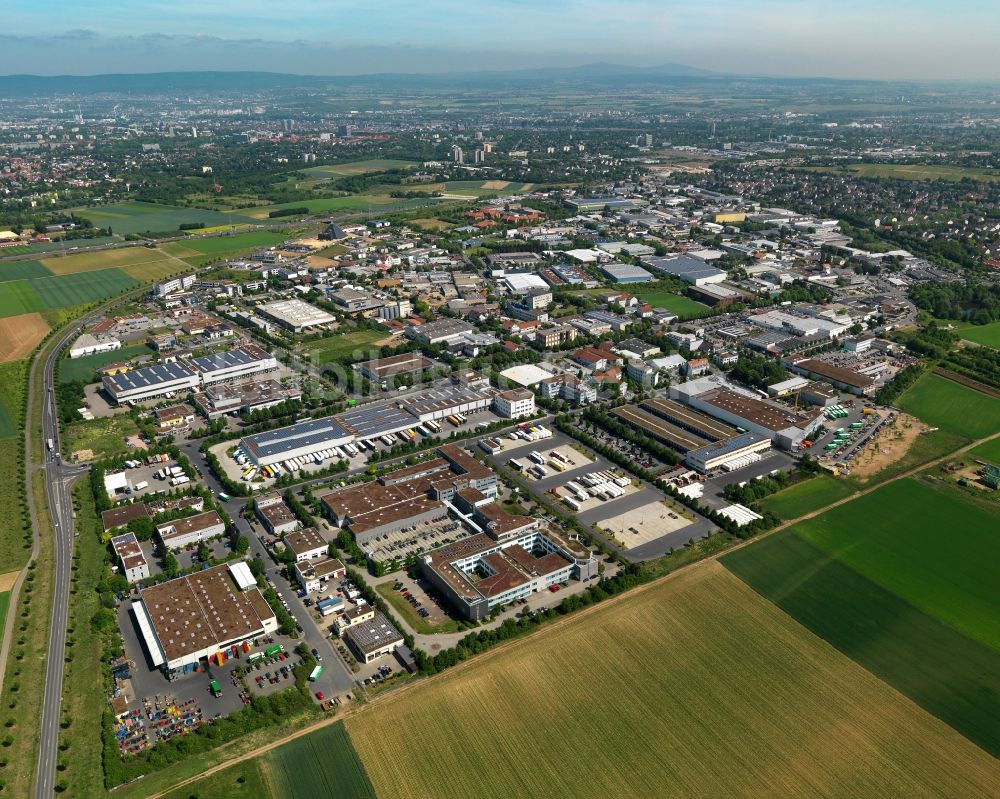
(715,484)
(646,523)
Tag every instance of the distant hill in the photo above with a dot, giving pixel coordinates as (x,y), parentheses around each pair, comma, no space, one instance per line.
(161,82)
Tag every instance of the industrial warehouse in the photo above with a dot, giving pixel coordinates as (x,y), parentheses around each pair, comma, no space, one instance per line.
(318,439)
(191,618)
(707,444)
(716,397)
(150,382)
(408,496)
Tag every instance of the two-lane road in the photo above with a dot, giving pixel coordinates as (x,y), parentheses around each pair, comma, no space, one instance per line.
(59,478)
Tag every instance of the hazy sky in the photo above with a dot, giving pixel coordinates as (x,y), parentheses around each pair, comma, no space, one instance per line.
(837,38)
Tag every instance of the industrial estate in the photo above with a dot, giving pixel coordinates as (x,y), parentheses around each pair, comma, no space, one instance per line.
(441,438)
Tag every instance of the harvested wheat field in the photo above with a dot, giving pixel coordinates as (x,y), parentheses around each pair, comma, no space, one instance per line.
(19,335)
(695,687)
(496,184)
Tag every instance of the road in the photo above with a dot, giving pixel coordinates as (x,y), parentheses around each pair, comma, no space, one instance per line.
(59,478)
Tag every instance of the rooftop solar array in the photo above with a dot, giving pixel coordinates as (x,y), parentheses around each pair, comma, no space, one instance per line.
(150,376)
(303,434)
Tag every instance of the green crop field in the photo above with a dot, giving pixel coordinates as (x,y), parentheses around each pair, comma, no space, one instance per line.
(215,245)
(4,602)
(990,451)
(63,291)
(684,307)
(56,246)
(323,764)
(340,345)
(18,297)
(136,217)
(696,686)
(942,403)
(807,496)
(22,270)
(906,581)
(71,369)
(925,543)
(987,335)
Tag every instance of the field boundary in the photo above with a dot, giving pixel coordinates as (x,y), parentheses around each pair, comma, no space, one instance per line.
(555,625)
(967,382)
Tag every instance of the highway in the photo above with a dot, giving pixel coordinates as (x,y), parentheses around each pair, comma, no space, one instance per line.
(59,478)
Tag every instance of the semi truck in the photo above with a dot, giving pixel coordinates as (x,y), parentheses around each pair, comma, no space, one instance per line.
(180,480)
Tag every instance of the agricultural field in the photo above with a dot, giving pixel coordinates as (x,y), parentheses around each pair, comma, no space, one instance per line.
(321,764)
(987,335)
(220,245)
(137,217)
(20,334)
(989,451)
(359,168)
(684,307)
(22,270)
(54,246)
(71,369)
(914,171)
(339,345)
(103,259)
(104,437)
(905,581)
(943,403)
(381,203)
(13,383)
(63,291)
(695,686)
(807,496)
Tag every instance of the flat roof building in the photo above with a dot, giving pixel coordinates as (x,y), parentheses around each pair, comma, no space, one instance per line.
(149,382)
(306,544)
(372,639)
(180,533)
(687,268)
(295,315)
(130,557)
(626,273)
(189,619)
(408,363)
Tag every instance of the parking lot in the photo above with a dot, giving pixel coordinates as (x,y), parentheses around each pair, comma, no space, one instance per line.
(413,540)
(646,523)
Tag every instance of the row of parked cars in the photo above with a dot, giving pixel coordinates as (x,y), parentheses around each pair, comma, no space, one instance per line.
(409,597)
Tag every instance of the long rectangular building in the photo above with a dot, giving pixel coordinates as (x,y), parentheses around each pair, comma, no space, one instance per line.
(189,619)
(150,382)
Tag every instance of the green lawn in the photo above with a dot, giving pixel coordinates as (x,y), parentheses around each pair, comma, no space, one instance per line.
(340,345)
(323,764)
(926,544)
(807,496)
(84,368)
(942,403)
(684,307)
(22,270)
(952,676)
(987,335)
(106,437)
(136,217)
(358,167)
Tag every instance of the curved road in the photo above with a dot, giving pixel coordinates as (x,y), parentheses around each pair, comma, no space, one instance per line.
(59,478)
